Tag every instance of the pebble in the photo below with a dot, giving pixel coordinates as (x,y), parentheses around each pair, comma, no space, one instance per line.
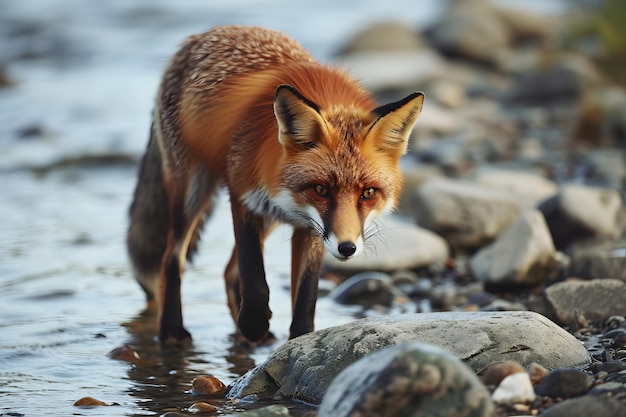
(202,407)
(207,385)
(564,383)
(537,373)
(513,389)
(124,353)
(494,373)
(89,402)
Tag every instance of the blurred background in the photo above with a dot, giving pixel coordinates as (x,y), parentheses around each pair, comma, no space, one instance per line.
(534,85)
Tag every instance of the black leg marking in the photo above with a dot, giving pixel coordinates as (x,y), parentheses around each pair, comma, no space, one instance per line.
(171,326)
(254,314)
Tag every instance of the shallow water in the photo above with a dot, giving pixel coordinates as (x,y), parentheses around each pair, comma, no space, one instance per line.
(84,76)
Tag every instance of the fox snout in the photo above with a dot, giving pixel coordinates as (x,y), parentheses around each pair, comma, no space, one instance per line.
(343,249)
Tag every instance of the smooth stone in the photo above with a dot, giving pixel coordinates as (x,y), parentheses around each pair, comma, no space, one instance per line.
(467,215)
(594,300)
(522,255)
(564,383)
(367,289)
(514,389)
(411,379)
(303,368)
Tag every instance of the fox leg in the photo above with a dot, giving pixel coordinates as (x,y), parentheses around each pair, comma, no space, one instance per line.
(188,210)
(231,280)
(254,312)
(307,252)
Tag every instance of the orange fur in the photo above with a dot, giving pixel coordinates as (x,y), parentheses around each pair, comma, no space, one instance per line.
(292,139)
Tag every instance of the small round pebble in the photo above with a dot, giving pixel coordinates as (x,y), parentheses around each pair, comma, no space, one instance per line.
(89,402)
(564,383)
(202,407)
(537,373)
(494,373)
(124,353)
(207,385)
(514,389)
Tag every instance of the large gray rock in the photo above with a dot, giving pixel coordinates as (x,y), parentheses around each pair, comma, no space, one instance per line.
(579,212)
(576,302)
(395,245)
(522,255)
(410,379)
(467,215)
(303,368)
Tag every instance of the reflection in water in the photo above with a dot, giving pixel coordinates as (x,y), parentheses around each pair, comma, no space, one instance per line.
(161,376)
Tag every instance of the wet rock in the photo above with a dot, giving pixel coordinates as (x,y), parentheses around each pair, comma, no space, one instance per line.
(304,367)
(411,379)
(124,353)
(564,383)
(494,373)
(595,300)
(598,260)
(514,389)
(368,289)
(89,402)
(269,411)
(395,245)
(528,188)
(466,215)
(578,212)
(522,255)
(384,37)
(202,407)
(207,385)
(586,406)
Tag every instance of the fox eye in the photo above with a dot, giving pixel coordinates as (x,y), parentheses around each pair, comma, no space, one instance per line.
(368,194)
(321,190)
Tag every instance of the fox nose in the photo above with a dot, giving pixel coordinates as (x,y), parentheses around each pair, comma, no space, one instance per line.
(347,249)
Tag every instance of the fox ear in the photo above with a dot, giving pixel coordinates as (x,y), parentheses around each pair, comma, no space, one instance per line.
(392,128)
(299,120)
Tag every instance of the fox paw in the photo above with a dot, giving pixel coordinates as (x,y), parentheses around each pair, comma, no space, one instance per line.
(252,325)
(174,335)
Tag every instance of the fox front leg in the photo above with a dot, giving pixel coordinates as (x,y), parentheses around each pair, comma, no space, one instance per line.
(254,312)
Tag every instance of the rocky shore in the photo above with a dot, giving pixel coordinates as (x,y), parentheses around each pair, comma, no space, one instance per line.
(510,241)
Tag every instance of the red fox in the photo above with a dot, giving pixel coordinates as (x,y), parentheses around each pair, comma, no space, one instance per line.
(294,141)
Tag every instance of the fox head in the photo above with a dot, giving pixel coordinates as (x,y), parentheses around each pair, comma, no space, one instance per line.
(341,167)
